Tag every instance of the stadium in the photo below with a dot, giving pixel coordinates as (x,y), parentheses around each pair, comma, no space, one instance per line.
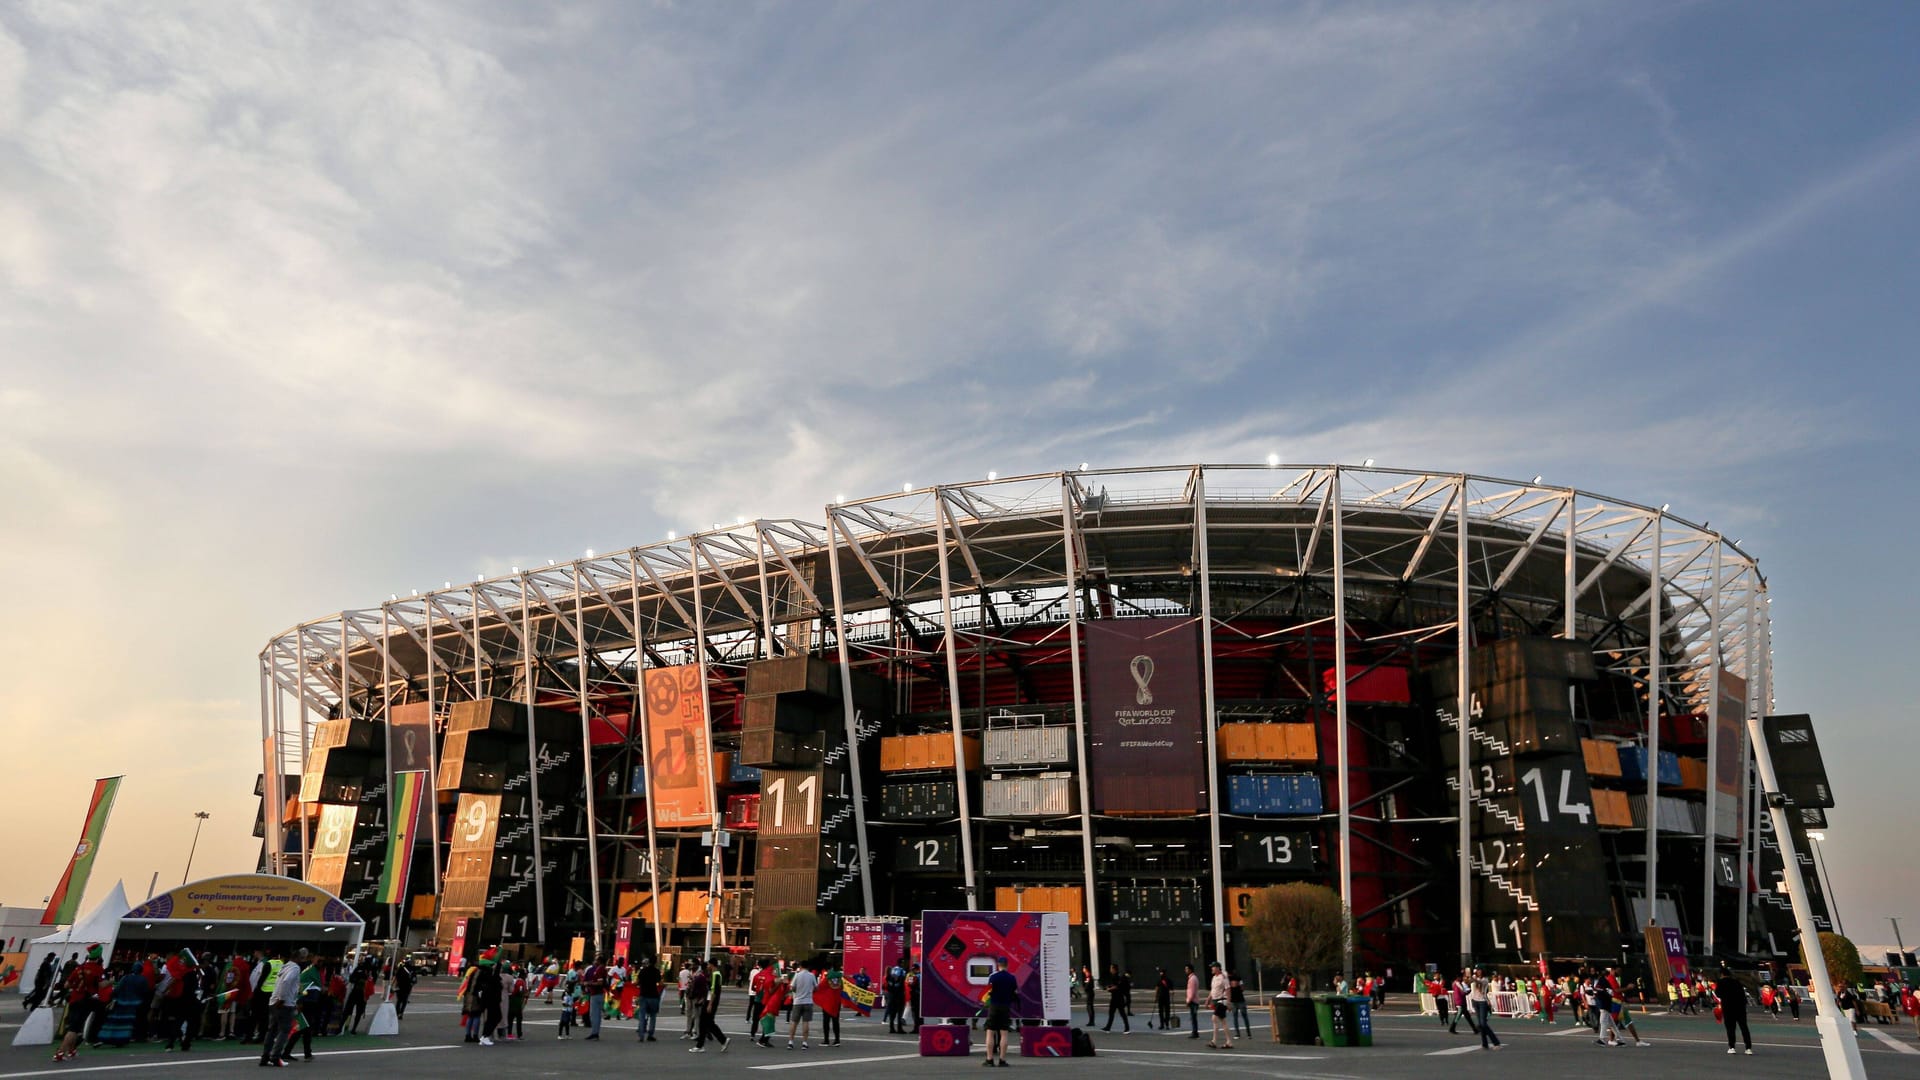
(1134,696)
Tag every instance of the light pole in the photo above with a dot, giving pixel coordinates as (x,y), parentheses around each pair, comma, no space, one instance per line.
(1833,902)
(200,818)
(1898,941)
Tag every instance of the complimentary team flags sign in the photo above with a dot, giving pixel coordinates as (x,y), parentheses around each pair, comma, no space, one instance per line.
(65,903)
(408,791)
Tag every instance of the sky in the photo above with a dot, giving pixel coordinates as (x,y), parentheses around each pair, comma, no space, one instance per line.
(304,305)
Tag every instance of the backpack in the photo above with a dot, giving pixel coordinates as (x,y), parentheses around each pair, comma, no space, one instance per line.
(1082,1043)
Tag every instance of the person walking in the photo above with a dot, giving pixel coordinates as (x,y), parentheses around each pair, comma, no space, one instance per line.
(1237,1001)
(43,977)
(757,987)
(1002,990)
(1163,999)
(1119,989)
(1732,995)
(1480,997)
(1086,991)
(704,989)
(805,982)
(1218,993)
(1458,992)
(282,1001)
(180,1001)
(648,980)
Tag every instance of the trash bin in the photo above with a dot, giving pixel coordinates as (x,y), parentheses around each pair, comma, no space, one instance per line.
(1333,1014)
(1293,1021)
(1362,1027)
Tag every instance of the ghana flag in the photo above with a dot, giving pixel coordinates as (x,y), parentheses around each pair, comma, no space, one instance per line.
(65,902)
(408,788)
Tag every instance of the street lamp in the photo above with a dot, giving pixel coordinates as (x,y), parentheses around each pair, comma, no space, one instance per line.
(1833,902)
(200,818)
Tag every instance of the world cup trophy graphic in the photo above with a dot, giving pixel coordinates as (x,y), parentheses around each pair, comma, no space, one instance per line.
(1142,669)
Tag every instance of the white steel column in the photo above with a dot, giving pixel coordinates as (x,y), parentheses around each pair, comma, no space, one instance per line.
(953,698)
(386,728)
(851,717)
(1463,694)
(432,794)
(300,745)
(527,672)
(1657,589)
(706,759)
(646,746)
(1571,628)
(273,808)
(586,756)
(1713,756)
(1070,535)
(766,596)
(1837,1040)
(1339,718)
(1208,722)
(1749,791)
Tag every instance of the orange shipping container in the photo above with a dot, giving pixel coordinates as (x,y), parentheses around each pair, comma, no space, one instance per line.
(1603,758)
(940,751)
(893,752)
(1693,774)
(1242,742)
(1611,809)
(1302,743)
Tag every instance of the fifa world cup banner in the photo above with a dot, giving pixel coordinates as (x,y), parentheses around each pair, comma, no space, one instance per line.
(965,947)
(1146,724)
(679,756)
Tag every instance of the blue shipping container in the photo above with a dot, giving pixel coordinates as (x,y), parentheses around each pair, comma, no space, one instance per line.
(1246,794)
(744,774)
(1633,766)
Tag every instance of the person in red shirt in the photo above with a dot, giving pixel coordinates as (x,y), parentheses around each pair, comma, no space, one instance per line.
(239,983)
(828,997)
(83,1002)
(772,1000)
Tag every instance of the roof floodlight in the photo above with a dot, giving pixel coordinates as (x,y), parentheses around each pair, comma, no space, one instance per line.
(1273,461)
(991,475)
(1367,464)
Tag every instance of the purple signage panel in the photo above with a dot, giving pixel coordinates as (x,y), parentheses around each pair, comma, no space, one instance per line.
(963,947)
(1146,734)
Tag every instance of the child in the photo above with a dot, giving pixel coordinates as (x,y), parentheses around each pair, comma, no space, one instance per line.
(569,1001)
(517,1006)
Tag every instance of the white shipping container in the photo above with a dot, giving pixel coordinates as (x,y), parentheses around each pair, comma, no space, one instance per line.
(1004,747)
(1028,796)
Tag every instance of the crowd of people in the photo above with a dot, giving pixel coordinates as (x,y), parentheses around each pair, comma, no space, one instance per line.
(267,997)
(493,994)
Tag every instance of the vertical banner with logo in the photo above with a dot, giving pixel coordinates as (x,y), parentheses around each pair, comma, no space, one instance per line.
(1146,737)
(1723,809)
(457,952)
(408,792)
(412,737)
(623,938)
(65,902)
(681,795)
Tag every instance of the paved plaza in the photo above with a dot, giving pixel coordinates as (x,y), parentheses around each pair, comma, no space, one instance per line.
(1406,1046)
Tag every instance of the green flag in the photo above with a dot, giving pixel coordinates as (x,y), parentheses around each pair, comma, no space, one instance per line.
(407,790)
(73,884)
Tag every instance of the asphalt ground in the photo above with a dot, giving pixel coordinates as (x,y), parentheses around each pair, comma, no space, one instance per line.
(1406,1046)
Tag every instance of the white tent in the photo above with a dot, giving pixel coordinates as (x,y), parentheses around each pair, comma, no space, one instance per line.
(101,927)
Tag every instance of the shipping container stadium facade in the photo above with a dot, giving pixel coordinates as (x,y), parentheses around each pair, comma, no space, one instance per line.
(1131,695)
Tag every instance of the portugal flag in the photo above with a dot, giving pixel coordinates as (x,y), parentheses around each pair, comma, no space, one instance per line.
(73,884)
(407,793)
